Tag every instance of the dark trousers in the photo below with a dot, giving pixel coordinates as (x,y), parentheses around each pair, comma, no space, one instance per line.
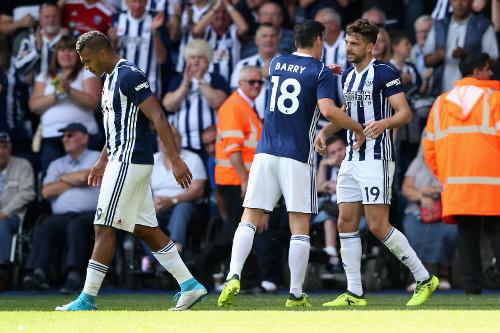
(76,229)
(469,232)
(220,251)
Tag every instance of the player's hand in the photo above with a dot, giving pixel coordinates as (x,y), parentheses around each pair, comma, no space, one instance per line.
(359,139)
(181,172)
(320,143)
(335,69)
(375,128)
(96,173)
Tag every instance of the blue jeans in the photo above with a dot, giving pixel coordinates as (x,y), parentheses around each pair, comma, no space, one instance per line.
(433,242)
(8,228)
(176,220)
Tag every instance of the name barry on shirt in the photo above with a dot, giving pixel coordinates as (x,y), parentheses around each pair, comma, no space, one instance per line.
(283,66)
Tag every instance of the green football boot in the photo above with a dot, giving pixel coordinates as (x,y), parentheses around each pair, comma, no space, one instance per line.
(293,301)
(231,288)
(423,291)
(347,299)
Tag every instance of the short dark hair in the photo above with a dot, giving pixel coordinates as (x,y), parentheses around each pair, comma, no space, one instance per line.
(307,32)
(267,25)
(334,138)
(472,61)
(364,28)
(397,36)
(94,40)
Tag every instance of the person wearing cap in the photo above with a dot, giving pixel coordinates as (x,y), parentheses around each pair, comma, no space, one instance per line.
(17,189)
(73,203)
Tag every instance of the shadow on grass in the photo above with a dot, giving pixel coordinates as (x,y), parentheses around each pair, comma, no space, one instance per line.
(147,302)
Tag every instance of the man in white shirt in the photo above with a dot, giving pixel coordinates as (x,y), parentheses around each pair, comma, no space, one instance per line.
(175,206)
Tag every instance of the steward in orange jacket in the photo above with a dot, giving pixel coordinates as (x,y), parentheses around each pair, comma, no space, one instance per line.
(238,130)
(462,145)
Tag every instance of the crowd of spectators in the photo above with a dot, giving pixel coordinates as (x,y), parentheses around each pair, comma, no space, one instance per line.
(208,62)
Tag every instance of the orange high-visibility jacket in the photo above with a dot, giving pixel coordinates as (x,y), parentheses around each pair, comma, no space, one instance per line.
(462,148)
(238,130)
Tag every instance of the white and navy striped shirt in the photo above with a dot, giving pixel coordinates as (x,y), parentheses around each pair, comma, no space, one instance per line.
(336,54)
(136,44)
(443,8)
(366,95)
(29,57)
(128,135)
(226,51)
(186,36)
(194,114)
(260,101)
(154,5)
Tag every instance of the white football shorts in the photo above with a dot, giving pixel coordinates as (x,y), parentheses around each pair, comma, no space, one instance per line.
(367,181)
(126,198)
(273,176)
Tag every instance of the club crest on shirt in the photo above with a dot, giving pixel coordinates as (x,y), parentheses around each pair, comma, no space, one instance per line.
(97,19)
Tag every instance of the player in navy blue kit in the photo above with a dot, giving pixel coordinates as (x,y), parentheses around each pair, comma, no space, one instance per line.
(301,87)
(124,172)
(374,96)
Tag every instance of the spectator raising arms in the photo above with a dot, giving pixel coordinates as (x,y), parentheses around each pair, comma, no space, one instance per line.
(66,93)
(195,95)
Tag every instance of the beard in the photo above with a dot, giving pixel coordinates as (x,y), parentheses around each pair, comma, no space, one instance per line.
(51,29)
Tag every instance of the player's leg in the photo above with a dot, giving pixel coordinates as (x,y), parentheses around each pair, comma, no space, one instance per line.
(297,182)
(377,196)
(262,194)
(165,251)
(349,200)
(242,245)
(102,255)
(298,257)
(350,252)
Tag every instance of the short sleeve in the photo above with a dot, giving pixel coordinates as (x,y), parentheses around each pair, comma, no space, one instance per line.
(430,42)
(218,82)
(42,77)
(415,166)
(235,74)
(391,81)
(174,83)
(53,172)
(87,74)
(135,86)
(196,166)
(327,87)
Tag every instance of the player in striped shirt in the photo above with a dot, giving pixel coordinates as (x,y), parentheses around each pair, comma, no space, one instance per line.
(374,97)
(124,172)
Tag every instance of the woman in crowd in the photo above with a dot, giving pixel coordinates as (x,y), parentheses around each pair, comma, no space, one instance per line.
(67,93)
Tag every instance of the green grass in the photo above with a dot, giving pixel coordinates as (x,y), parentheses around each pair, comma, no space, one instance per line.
(146,313)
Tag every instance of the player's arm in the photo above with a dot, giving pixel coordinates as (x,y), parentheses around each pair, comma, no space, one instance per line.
(97,171)
(401,117)
(153,111)
(340,118)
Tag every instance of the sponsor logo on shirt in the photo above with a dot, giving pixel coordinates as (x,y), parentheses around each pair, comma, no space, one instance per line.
(142,86)
(393,83)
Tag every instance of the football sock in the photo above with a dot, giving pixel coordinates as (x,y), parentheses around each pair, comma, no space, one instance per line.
(95,274)
(170,259)
(242,245)
(298,256)
(350,252)
(397,243)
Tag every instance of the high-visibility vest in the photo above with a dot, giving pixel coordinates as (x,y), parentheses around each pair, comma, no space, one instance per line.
(238,130)
(462,148)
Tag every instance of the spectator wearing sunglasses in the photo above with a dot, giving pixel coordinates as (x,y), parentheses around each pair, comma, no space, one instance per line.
(267,41)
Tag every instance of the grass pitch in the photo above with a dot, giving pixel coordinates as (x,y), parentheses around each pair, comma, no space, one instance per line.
(146,313)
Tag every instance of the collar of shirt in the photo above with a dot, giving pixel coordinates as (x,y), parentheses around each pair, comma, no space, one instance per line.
(302,54)
(246,98)
(195,84)
(78,160)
